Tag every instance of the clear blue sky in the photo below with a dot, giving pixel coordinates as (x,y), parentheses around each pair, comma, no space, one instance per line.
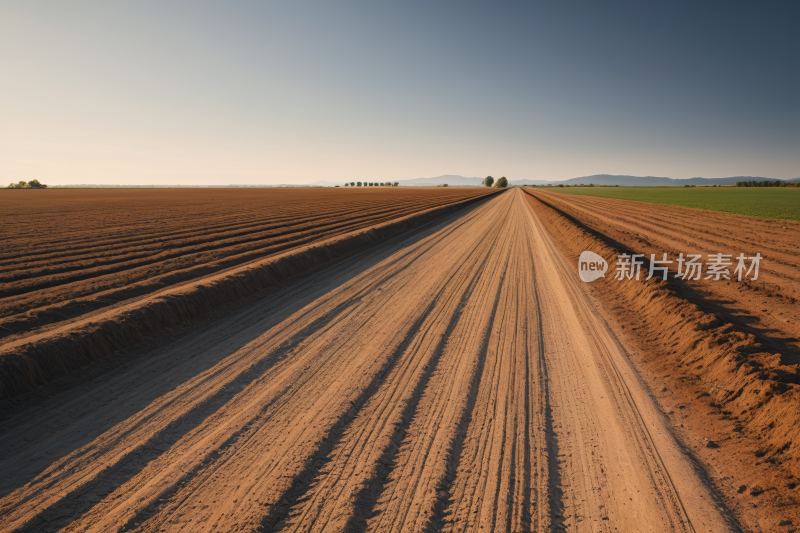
(282,92)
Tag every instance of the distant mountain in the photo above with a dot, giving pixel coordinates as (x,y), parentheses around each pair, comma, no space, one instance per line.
(645,181)
(597,179)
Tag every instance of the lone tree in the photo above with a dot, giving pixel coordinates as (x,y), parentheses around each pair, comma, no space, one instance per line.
(502,182)
(488,181)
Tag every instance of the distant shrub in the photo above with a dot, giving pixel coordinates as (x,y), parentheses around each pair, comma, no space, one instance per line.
(765,183)
(396,184)
(502,182)
(358,183)
(488,181)
(33,184)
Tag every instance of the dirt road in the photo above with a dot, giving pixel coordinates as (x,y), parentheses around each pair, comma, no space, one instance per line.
(455,379)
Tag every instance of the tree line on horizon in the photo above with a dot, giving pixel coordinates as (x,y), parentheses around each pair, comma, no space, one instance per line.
(371,184)
(753,183)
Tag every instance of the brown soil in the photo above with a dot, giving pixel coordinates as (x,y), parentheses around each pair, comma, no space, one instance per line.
(88,272)
(455,378)
(69,252)
(721,357)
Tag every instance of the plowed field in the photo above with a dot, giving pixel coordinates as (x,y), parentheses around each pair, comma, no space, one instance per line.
(722,357)
(69,252)
(459,377)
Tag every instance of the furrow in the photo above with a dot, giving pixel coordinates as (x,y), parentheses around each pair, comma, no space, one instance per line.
(343,496)
(416,493)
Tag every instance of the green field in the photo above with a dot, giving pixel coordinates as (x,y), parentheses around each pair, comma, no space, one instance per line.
(765,202)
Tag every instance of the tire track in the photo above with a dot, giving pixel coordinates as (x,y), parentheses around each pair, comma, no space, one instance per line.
(417,490)
(344,496)
(597,419)
(504,439)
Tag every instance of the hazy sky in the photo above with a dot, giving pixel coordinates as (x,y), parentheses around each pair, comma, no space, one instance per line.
(277,92)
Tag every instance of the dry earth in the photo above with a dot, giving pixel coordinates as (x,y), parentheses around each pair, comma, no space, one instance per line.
(456,378)
(721,357)
(85,273)
(69,252)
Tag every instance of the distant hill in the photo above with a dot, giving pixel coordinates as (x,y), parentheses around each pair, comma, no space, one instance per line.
(455,180)
(646,181)
(597,179)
